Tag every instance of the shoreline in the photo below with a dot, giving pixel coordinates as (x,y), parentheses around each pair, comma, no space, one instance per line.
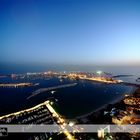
(105,105)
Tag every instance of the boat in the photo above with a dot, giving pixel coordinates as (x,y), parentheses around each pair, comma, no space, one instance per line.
(53,91)
(36,84)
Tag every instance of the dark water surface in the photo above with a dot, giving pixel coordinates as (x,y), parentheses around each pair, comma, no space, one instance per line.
(83,98)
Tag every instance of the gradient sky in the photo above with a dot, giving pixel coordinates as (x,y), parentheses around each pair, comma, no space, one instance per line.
(70,31)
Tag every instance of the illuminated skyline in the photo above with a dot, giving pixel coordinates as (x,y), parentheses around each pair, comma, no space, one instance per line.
(70,31)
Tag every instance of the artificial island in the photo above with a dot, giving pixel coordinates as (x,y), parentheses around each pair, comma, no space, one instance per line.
(124,111)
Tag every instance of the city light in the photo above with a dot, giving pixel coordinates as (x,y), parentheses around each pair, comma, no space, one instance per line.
(99,72)
(71,124)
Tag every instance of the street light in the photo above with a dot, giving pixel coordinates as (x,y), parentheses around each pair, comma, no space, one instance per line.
(71,124)
(51,103)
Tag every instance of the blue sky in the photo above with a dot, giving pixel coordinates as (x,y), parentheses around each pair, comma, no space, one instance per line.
(70,31)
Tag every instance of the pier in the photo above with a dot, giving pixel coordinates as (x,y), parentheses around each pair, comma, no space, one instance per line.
(50,88)
(50,114)
(15,85)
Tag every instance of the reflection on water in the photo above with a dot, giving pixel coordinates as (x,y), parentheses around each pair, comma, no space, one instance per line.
(85,97)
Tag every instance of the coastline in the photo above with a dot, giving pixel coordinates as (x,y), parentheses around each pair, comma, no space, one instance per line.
(104,106)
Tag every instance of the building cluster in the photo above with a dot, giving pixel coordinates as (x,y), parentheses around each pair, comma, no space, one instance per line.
(125,112)
(123,117)
(132,101)
(98,77)
(130,115)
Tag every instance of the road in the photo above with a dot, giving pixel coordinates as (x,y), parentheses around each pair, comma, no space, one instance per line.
(61,120)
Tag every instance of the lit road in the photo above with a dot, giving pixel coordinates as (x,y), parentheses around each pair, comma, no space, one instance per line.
(62,121)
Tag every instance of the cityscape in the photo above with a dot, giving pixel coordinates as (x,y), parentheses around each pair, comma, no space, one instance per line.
(122,111)
(69,70)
